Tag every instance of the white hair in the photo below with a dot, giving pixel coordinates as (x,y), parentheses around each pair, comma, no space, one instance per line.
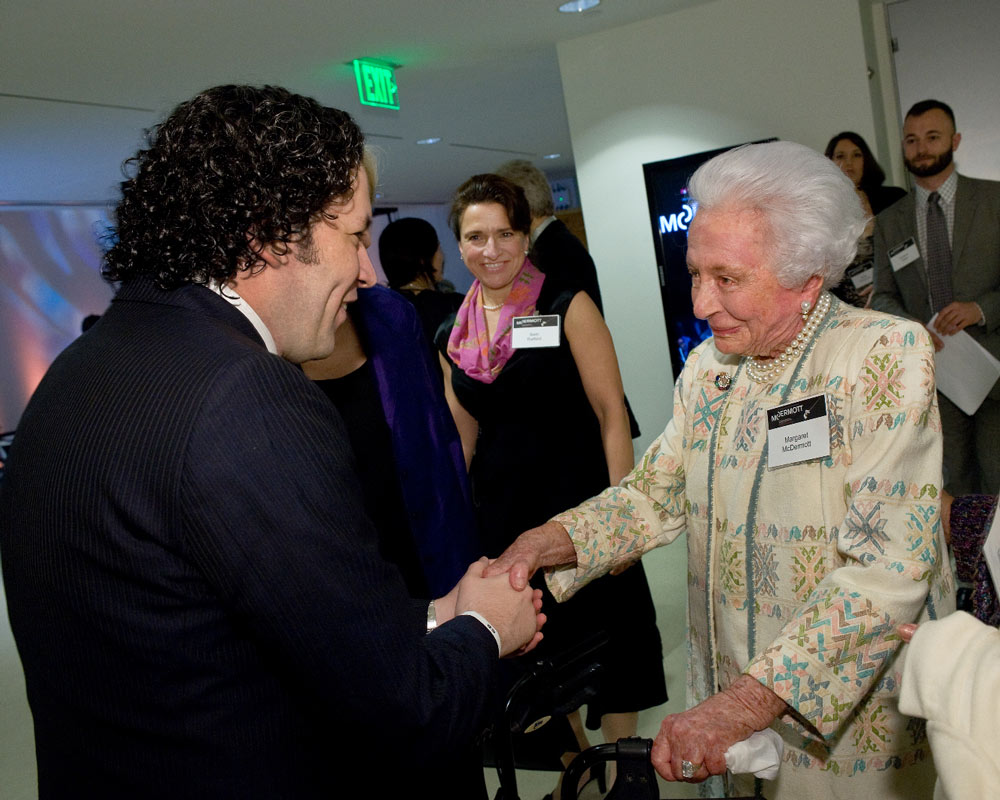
(811,207)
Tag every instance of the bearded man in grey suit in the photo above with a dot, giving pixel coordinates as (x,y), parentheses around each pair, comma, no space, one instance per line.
(905,282)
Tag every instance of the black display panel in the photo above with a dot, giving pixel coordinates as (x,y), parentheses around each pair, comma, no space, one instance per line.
(670,213)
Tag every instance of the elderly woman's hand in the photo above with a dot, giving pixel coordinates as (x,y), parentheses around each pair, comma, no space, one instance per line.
(701,736)
(946,500)
(906,631)
(545,546)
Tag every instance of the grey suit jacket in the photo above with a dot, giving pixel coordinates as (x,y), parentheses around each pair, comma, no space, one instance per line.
(975,260)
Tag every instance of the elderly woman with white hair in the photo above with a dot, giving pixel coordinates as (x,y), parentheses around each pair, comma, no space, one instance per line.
(803,460)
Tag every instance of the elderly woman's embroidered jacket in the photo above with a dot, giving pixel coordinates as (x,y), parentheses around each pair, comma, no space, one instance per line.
(798,575)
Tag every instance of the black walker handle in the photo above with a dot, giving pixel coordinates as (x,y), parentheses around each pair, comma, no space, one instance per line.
(636,777)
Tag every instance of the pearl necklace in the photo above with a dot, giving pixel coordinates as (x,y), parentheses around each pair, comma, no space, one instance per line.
(766,373)
(497,307)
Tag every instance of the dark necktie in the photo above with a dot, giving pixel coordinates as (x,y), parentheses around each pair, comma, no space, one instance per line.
(938,254)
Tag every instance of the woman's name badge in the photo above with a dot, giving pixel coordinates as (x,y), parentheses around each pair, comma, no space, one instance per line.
(903,254)
(540,331)
(798,431)
(864,275)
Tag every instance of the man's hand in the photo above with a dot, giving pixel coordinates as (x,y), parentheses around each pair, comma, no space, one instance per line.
(956,316)
(703,734)
(545,546)
(516,614)
(444,607)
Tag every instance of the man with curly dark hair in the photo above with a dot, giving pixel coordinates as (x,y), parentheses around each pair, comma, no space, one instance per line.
(196,594)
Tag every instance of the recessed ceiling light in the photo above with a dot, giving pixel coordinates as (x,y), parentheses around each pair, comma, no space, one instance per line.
(579,5)
(553,155)
(431,140)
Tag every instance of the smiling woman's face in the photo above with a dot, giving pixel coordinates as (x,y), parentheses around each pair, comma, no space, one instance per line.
(733,287)
(491,249)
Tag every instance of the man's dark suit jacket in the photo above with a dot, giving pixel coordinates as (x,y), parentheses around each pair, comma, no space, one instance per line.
(559,254)
(975,260)
(195,592)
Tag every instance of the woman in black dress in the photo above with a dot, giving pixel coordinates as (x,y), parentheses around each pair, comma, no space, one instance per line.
(542,417)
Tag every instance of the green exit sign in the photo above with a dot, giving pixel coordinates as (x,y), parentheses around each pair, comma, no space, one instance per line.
(376,84)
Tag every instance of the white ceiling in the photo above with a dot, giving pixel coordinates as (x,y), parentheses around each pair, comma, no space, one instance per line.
(79,81)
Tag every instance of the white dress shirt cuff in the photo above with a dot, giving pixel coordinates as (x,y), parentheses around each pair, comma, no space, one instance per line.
(489,627)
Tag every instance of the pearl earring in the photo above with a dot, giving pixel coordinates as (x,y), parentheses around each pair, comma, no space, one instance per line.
(805,309)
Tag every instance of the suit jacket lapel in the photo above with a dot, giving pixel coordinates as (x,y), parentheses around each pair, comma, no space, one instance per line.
(965,204)
(906,227)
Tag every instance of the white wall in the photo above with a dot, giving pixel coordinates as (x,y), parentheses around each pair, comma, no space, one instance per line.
(948,51)
(18,779)
(701,78)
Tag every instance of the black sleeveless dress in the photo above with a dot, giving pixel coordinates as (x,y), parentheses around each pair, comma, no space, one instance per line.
(539,452)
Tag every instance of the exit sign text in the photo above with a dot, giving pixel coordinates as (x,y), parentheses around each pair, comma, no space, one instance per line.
(376,84)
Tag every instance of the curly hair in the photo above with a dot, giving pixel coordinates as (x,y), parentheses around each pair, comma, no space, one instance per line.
(490,188)
(229,172)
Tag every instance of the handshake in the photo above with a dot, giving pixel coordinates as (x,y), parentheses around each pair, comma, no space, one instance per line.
(499,589)
(515,614)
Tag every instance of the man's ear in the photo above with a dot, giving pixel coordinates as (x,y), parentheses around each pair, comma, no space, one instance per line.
(274,254)
(955,141)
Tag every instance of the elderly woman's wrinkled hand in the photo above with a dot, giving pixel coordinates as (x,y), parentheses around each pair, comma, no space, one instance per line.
(544,546)
(906,631)
(691,746)
(946,500)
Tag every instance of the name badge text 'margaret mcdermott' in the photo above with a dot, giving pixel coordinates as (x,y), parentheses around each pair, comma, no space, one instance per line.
(798,431)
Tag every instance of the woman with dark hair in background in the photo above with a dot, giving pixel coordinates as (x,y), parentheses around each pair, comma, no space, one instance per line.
(851,153)
(543,423)
(414,266)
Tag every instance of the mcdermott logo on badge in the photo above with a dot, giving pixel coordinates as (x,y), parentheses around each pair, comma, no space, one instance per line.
(798,431)
(540,331)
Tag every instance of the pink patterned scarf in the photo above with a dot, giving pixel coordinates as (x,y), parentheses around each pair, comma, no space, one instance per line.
(469,346)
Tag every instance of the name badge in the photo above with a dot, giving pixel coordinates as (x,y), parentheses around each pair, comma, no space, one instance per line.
(798,431)
(541,331)
(903,254)
(863,275)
